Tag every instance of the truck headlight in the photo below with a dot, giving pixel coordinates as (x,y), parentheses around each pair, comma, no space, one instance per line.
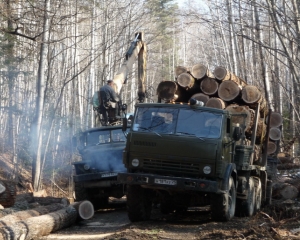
(86,167)
(207,169)
(135,162)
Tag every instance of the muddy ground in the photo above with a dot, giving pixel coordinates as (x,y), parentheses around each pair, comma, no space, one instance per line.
(112,223)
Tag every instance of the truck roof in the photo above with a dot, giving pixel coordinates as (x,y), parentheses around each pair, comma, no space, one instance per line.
(182,106)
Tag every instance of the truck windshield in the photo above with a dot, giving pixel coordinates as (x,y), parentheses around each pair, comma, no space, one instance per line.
(104,136)
(178,121)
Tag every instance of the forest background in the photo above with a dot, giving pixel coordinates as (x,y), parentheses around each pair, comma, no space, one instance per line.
(54,54)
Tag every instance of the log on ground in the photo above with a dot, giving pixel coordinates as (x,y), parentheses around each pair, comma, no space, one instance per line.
(50,200)
(35,227)
(22,215)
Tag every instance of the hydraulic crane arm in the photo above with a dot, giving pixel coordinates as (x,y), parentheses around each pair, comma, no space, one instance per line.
(137,50)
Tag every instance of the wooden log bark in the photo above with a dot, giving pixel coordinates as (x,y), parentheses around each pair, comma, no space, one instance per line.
(215,103)
(276,120)
(8,196)
(85,209)
(35,227)
(285,191)
(248,121)
(201,97)
(28,197)
(50,200)
(22,215)
(251,95)
(186,81)
(200,71)
(275,134)
(167,90)
(179,70)
(209,86)
(223,74)
(229,91)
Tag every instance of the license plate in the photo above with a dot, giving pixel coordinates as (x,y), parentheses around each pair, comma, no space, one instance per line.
(109,174)
(165,181)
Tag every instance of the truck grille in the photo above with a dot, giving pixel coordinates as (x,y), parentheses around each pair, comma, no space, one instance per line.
(168,166)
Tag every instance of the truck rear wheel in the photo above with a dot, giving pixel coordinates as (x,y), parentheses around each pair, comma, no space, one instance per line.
(246,207)
(223,205)
(139,204)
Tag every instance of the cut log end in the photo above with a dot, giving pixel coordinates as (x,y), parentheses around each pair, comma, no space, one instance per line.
(200,71)
(251,94)
(229,90)
(221,73)
(209,86)
(86,210)
(216,103)
(185,80)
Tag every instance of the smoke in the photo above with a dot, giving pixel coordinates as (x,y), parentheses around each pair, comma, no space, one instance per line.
(106,158)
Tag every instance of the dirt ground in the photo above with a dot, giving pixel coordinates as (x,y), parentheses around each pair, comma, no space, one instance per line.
(113,224)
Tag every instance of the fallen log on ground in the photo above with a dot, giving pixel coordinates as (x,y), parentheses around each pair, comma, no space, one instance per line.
(22,215)
(36,227)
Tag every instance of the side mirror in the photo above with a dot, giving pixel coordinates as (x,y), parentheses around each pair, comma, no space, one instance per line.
(237,133)
(124,126)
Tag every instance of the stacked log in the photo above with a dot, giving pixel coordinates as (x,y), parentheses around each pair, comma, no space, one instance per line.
(222,89)
(219,89)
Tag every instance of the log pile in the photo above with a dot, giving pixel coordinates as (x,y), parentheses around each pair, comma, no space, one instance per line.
(42,216)
(222,89)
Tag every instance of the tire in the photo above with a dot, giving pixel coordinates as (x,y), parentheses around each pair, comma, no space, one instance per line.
(246,207)
(139,204)
(223,205)
(166,207)
(258,195)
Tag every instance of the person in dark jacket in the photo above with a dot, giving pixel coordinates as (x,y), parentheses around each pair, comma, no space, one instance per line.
(108,97)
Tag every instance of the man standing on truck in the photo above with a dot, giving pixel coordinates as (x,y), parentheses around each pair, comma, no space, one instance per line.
(108,100)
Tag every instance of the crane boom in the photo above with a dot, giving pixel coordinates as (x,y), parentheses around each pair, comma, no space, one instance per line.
(137,50)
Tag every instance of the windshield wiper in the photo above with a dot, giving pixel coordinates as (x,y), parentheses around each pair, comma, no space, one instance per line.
(150,130)
(190,134)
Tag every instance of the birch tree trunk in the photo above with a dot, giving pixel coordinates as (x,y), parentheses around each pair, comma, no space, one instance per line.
(37,125)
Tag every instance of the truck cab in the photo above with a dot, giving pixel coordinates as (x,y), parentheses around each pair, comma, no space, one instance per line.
(183,155)
(95,175)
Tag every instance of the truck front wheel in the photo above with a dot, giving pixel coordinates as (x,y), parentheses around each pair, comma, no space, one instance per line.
(139,204)
(246,207)
(223,205)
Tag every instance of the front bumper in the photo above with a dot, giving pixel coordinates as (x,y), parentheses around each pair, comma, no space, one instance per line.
(95,176)
(169,183)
